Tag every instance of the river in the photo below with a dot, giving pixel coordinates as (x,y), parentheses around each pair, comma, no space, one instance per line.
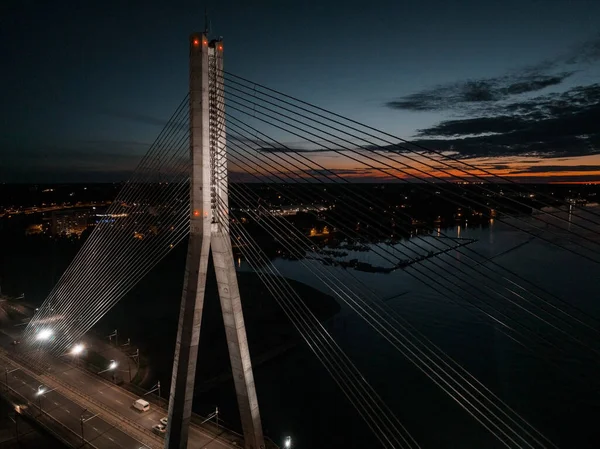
(309,405)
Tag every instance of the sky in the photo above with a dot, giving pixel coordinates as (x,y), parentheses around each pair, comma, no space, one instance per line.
(512,86)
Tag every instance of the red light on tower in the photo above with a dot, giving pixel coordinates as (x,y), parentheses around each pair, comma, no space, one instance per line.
(220,47)
(204,42)
(196,213)
(196,42)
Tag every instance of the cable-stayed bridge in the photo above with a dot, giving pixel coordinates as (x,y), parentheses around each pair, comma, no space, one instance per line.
(222,174)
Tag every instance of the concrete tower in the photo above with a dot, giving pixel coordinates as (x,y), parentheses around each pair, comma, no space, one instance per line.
(209,232)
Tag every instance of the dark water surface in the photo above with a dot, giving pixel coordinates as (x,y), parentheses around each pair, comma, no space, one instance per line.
(299,398)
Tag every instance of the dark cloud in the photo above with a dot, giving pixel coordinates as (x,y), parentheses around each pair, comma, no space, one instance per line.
(289,150)
(585,53)
(536,84)
(481,125)
(342,172)
(553,125)
(132,116)
(473,92)
(557,168)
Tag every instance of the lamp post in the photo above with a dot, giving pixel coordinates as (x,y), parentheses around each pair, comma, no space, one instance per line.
(116,335)
(155,388)
(7,372)
(41,391)
(83,421)
(129,368)
(76,351)
(44,334)
(135,356)
(111,367)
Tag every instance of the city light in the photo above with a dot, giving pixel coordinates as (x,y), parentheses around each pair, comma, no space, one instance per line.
(40,390)
(288,442)
(77,349)
(44,334)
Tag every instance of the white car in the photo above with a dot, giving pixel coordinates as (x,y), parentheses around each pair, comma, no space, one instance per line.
(159,429)
(164,421)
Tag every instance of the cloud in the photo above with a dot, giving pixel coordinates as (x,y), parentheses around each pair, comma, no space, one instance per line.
(477,94)
(553,125)
(473,92)
(586,52)
(290,150)
(341,172)
(132,116)
(557,169)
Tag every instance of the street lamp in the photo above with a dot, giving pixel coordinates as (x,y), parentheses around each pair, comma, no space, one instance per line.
(44,334)
(40,392)
(83,421)
(155,388)
(77,349)
(288,442)
(7,372)
(111,367)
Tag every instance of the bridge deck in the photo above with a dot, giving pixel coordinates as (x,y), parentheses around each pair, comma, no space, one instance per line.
(117,423)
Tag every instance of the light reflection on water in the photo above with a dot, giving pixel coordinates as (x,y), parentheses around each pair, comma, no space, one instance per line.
(555,404)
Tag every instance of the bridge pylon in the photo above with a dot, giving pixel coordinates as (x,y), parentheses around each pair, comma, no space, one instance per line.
(209,233)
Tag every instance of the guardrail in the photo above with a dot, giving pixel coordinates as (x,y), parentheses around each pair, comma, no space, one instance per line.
(144,435)
(148,437)
(10,393)
(221,433)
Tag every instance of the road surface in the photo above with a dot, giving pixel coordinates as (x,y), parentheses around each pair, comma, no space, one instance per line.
(96,431)
(115,401)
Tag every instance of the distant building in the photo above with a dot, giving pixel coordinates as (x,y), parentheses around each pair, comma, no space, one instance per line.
(34,229)
(70,222)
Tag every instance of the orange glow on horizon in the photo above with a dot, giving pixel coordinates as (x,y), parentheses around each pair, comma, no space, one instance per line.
(564,170)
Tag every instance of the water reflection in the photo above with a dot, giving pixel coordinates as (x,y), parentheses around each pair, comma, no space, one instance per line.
(510,370)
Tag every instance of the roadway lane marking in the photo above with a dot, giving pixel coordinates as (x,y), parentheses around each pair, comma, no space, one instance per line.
(110,439)
(67,410)
(119,401)
(95,429)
